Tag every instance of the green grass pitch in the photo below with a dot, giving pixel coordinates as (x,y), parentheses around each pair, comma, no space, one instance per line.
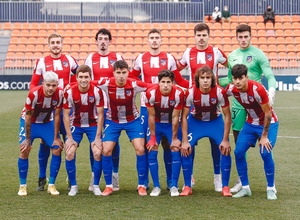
(126,204)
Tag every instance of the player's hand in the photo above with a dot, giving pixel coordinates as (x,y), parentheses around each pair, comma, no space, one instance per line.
(97,143)
(67,87)
(151,143)
(186,149)
(58,142)
(225,148)
(25,145)
(69,144)
(265,143)
(176,143)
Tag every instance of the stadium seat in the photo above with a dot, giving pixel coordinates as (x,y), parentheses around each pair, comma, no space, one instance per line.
(217,26)
(181,48)
(217,33)
(283,63)
(182,33)
(227,49)
(129,33)
(76,40)
(139,33)
(33,33)
(173,26)
(293,63)
(279,33)
(120,40)
(86,33)
(280,40)
(97,26)
(260,26)
(282,55)
(138,26)
(243,19)
(138,48)
(164,26)
(289,40)
(42,33)
(121,33)
(147,27)
(278,26)
(262,40)
(24,33)
(30,48)
(69,26)
(272,48)
(278,19)
(182,41)
(251,19)
(138,41)
(286,18)
(227,41)
(37,55)
(87,26)
(261,33)
(129,40)
(272,55)
(156,25)
(218,40)
(128,48)
(128,56)
(182,26)
(43,26)
(288,33)
(291,55)
(165,48)
(281,48)
(19,55)
(9,64)
(84,48)
(41,41)
(296,33)
(7,26)
(120,48)
(190,26)
(77,33)
(173,33)
(253,26)
(264,48)
(40,48)
(233,25)
(21,48)
(14,40)
(235,46)
(234,18)
(226,33)
(93,48)
(269,25)
(86,40)
(254,41)
(17,26)
(274,63)
(295,26)
(78,26)
(173,49)
(173,41)
(271,40)
(260,19)
(75,48)
(287,26)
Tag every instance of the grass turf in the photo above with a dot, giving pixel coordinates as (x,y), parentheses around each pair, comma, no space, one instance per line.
(126,204)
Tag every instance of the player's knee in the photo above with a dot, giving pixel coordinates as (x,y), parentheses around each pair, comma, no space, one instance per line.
(265,155)
(106,152)
(70,155)
(56,151)
(239,153)
(25,154)
(140,151)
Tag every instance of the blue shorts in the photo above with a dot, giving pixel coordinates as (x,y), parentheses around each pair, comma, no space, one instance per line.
(62,129)
(250,133)
(198,129)
(112,130)
(44,131)
(77,133)
(164,129)
(144,119)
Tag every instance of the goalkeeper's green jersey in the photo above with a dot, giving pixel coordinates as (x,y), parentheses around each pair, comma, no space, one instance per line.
(257,64)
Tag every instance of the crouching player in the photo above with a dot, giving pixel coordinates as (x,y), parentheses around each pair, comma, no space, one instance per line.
(262,123)
(122,114)
(164,103)
(206,121)
(88,116)
(37,122)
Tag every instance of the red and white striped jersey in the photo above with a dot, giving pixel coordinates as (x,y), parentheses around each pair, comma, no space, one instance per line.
(84,105)
(251,100)
(206,105)
(164,105)
(195,59)
(43,106)
(65,67)
(102,67)
(149,66)
(121,100)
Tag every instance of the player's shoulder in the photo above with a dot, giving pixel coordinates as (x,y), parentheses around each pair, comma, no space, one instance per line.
(177,88)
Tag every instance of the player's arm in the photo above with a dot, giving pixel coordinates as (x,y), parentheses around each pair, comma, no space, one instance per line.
(224,81)
(185,147)
(36,76)
(264,140)
(134,74)
(26,144)
(70,142)
(225,145)
(151,121)
(175,125)
(266,69)
(180,80)
(100,122)
(57,141)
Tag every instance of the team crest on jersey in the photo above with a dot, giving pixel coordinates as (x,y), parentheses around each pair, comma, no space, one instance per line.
(54,102)
(163,62)
(128,92)
(249,59)
(251,98)
(112,62)
(209,57)
(213,100)
(91,99)
(65,64)
(172,102)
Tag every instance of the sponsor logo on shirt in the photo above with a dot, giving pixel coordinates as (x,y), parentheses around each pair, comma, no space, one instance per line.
(146,62)
(209,57)
(65,64)
(163,62)
(112,62)
(249,59)
(91,99)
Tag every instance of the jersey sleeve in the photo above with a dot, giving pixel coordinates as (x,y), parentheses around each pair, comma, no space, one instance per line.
(68,100)
(149,97)
(60,97)
(267,71)
(73,64)
(37,73)
(30,101)
(100,101)
(183,62)
(179,99)
(188,102)
(140,86)
(261,94)
(178,77)
(222,97)
(221,57)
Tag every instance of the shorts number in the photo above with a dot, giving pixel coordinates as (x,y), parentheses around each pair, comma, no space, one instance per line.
(190,137)
(22,133)
(234,114)
(142,118)
(105,127)
(148,131)
(72,129)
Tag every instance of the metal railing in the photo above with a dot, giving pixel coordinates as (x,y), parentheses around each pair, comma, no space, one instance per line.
(28,11)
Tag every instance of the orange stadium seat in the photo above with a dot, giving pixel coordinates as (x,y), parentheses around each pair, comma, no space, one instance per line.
(33,33)
(282,55)
(173,49)
(86,33)
(278,26)
(97,26)
(226,33)
(260,26)
(87,26)
(279,33)
(226,26)
(218,40)
(273,55)
(138,48)
(121,33)
(69,26)
(281,48)
(30,48)
(67,40)
(181,48)
(77,33)
(37,55)
(165,33)
(243,19)
(278,19)
(296,33)
(86,40)
(233,25)
(130,33)
(9,64)
(43,26)
(217,33)
(234,18)
(283,63)
(287,26)
(262,40)
(14,40)
(21,48)
(182,26)
(182,33)
(261,33)
(191,33)
(272,48)
(269,25)
(271,40)
(138,26)
(165,26)
(156,25)
(291,55)
(24,33)
(251,19)
(138,41)
(60,32)
(173,33)
(68,33)
(28,55)
(253,26)
(84,48)
(235,46)
(227,49)
(288,33)
(121,26)
(7,26)
(293,63)
(78,26)
(295,18)
(40,48)
(41,40)
(254,33)
(227,41)
(296,26)
(280,40)
(182,41)
(120,48)
(19,55)
(147,27)
(260,19)
(274,63)
(217,26)
(129,40)
(93,48)
(42,33)
(286,18)
(128,48)
(76,40)
(17,26)
(139,33)
(191,42)
(190,26)
(263,47)
(297,40)
(163,39)
(52,26)
(173,41)
(173,26)
(289,40)
(290,48)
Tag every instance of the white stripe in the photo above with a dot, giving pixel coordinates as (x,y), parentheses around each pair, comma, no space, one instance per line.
(286,107)
(291,137)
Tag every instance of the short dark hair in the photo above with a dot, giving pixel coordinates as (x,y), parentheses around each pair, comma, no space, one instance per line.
(166,73)
(243,27)
(201,27)
(239,70)
(120,64)
(202,70)
(154,30)
(83,69)
(104,31)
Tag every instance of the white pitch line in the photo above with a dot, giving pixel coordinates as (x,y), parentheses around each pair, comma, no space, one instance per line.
(286,107)
(291,137)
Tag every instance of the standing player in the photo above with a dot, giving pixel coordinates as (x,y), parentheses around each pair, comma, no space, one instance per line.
(101,64)
(205,120)
(148,65)
(65,67)
(262,124)
(194,58)
(37,122)
(88,117)
(164,104)
(122,114)
(257,64)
